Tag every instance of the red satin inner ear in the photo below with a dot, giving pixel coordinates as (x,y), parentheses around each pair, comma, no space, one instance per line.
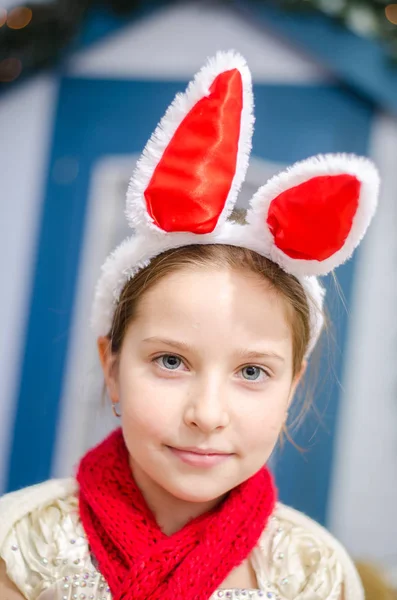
(311,221)
(190,184)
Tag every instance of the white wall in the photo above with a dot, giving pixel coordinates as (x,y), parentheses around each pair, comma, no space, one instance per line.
(157,48)
(364,492)
(26,116)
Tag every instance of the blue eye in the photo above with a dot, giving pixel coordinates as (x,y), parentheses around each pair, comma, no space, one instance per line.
(252,373)
(169,361)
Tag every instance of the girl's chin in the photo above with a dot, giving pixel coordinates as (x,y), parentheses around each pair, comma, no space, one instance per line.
(198,498)
(198,489)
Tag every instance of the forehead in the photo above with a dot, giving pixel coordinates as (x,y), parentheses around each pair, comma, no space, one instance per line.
(215,304)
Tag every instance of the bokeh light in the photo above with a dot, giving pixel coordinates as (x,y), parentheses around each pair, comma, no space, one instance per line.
(19,17)
(3,16)
(391,13)
(10,69)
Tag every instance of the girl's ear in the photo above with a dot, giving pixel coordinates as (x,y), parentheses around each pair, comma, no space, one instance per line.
(109,367)
(315,214)
(192,168)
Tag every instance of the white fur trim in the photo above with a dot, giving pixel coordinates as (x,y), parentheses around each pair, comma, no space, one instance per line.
(315,293)
(136,210)
(327,164)
(137,251)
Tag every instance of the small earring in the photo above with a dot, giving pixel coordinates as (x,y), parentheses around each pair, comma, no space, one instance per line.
(114,409)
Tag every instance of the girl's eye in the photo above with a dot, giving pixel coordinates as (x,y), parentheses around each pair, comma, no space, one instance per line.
(253,373)
(169,361)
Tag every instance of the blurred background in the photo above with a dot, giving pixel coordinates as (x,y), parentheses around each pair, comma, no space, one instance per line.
(82,86)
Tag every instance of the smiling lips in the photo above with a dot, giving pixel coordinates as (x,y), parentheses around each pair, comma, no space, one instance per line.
(199,457)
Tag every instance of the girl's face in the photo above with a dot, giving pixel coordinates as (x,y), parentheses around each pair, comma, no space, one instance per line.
(204,380)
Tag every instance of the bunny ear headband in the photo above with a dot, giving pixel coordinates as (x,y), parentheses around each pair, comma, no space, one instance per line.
(308,219)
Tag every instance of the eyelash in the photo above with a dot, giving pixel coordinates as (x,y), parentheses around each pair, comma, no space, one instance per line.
(253,381)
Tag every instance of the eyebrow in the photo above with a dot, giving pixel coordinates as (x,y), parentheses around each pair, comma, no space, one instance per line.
(247,354)
(260,355)
(168,342)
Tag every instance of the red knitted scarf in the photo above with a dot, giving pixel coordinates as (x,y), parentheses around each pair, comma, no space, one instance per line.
(137,559)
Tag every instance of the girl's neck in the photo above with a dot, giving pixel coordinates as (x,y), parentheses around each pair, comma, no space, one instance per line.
(171,513)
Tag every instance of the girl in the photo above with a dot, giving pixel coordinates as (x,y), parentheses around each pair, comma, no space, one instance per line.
(204,330)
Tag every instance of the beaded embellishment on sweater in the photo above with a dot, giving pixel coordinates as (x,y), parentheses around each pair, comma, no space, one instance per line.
(85,582)
(47,556)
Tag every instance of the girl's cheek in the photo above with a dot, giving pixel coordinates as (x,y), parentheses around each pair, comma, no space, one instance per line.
(149,417)
(262,428)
